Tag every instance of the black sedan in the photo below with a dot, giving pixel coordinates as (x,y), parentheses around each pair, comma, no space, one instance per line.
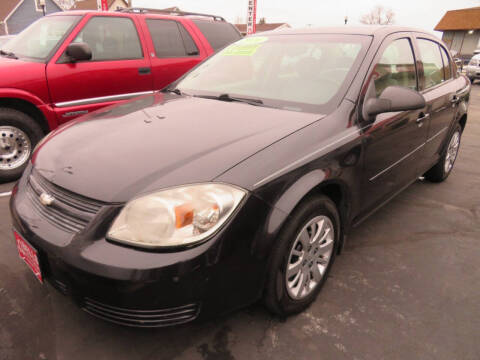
(240,181)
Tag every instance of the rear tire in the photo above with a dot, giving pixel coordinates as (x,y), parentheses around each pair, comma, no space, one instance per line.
(19,134)
(440,171)
(302,258)
(471,80)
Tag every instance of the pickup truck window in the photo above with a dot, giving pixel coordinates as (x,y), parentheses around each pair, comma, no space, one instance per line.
(219,34)
(39,39)
(111,38)
(396,67)
(171,39)
(432,62)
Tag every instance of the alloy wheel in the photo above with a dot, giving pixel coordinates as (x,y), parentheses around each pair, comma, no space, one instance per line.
(15,147)
(309,257)
(452,152)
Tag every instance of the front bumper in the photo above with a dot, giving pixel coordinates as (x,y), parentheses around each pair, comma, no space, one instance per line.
(137,287)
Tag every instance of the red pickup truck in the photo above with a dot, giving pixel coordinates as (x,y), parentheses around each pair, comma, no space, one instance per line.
(72,63)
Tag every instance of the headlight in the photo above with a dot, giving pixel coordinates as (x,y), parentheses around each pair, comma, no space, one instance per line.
(174,217)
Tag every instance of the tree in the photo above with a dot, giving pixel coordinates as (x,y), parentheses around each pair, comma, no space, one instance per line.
(378,16)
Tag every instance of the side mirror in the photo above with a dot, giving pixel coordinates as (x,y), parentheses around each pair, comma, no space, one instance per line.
(393,98)
(79,52)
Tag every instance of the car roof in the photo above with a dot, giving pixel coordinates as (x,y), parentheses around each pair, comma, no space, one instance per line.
(149,14)
(371,30)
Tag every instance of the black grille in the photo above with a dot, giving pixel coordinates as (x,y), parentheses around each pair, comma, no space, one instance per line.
(60,286)
(70,212)
(141,318)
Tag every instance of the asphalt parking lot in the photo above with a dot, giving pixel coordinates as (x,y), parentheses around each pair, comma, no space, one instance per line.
(406,286)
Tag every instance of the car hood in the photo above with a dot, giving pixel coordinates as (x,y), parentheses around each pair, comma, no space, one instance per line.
(158,141)
(25,76)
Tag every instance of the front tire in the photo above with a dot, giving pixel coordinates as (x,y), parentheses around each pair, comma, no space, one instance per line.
(440,171)
(303,256)
(19,134)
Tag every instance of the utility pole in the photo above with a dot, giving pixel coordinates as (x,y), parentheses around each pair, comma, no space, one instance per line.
(42,5)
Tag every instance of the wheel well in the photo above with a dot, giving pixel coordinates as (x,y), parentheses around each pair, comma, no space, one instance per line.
(463,121)
(27,108)
(336,193)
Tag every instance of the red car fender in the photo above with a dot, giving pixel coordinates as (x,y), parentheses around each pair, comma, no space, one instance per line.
(46,109)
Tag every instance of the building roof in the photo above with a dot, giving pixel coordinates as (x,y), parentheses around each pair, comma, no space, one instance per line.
(261,27)
(90,4)
(462,19)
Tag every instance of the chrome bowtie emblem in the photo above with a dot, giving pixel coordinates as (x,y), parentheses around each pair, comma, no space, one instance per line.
(46,199)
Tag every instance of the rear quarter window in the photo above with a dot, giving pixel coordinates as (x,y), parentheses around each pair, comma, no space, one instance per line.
(219,34)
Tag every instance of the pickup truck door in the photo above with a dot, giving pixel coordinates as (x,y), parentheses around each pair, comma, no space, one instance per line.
(174,48)
(119,68)
(394,141)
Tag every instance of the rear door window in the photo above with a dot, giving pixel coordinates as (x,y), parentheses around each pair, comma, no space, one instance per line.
(432,62)
(170,39)
(447,67)
(218,33)
(111,38)
(396,67)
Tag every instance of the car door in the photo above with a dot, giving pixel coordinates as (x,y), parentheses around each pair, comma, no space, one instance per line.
(439,90)
(393,141)
(173,50)
(118,69)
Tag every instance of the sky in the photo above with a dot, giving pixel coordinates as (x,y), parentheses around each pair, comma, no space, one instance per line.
(423,14)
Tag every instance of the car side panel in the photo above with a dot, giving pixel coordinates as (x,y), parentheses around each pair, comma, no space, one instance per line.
(167,70)
(327,152)
(82,87)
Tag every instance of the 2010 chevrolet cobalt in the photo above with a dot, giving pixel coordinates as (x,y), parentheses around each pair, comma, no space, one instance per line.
(241,180)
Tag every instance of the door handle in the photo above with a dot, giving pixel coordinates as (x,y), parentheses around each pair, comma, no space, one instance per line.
(455,99)
(421,119)
(144,70)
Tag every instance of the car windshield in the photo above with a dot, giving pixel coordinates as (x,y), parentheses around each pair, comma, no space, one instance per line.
(295,72)
(39,39)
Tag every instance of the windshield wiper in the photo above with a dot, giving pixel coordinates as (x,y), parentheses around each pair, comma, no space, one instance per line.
(176,91)
(227,97)
(9,54)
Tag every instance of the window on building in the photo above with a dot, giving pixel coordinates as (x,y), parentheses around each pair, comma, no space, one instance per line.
(219,34)
(432,62)
(396,67)
(111,38)
(170,39)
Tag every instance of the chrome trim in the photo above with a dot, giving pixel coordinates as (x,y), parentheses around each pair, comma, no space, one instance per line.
(304,159)
(101,99)
(5,194)
(438,133)
(397,162)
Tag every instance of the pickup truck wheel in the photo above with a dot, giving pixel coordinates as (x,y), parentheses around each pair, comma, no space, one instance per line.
(302,258)
(19,134)
(444,166)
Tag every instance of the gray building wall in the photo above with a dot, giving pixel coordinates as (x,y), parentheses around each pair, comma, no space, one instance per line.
(26,14)
(462,42)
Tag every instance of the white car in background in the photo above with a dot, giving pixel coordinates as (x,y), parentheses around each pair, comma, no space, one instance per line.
(472,70)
